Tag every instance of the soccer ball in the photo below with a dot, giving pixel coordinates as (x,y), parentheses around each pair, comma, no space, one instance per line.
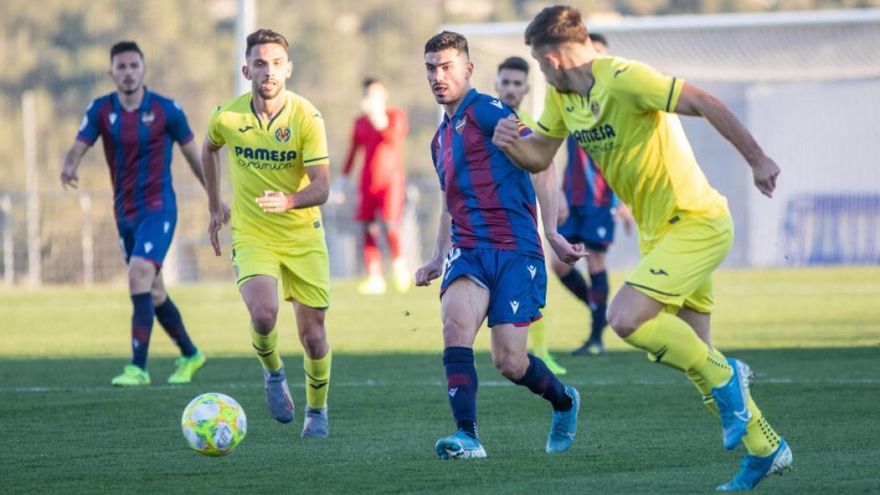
(213,424)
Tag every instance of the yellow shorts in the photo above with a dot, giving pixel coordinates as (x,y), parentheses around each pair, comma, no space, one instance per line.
(676,267)
(303,269)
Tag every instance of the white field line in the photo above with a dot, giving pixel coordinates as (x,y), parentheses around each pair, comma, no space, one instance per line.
(435,383)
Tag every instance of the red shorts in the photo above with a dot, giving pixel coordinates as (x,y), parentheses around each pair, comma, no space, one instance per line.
(385,204)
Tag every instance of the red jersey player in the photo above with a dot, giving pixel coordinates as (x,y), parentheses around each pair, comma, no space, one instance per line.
(380,132)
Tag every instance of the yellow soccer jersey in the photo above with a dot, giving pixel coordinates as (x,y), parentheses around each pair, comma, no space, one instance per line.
(270,156)
(642,154)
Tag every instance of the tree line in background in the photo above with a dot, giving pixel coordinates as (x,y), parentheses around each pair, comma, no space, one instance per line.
(59,50)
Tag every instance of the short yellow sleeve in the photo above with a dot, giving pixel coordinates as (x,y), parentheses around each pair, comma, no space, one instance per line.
(314,140)
(551,123)
(214,134)
(642,86)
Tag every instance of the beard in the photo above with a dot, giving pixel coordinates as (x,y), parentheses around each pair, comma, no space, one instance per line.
(130,90)
(268,93)
(511,100)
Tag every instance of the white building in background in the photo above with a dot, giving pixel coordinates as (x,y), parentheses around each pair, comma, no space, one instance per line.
(807,84)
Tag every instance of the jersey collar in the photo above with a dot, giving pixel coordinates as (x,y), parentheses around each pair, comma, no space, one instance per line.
(274,117)
(469,98)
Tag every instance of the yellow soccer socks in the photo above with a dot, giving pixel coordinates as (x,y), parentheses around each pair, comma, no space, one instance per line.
(267,350)
(671,341)
(317,380)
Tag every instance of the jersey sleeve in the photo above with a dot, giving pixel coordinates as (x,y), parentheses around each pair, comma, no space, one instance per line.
(435,157)
(314,140)
(178,126)
(551,123)
(488,111)
(642,86)
(215,132)
(89,127)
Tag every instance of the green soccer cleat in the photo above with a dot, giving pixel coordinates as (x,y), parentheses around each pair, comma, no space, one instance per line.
(132,376)
(552,365)
(186,368)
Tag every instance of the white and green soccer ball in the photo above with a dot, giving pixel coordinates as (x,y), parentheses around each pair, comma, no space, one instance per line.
(213,424)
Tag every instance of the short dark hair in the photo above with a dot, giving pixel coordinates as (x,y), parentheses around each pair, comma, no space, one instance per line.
(598,38)
(369,81)
(514,63)
(447,40)
(125,46)
(555,25)
(262,37)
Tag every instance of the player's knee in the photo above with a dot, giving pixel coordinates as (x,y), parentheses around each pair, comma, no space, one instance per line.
(560,268)
(263,318)
(455,333)
(511,365)
(141,273)
(314,341)
(621,321)
(158,295)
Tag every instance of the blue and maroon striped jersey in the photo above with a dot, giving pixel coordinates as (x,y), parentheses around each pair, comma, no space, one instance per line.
(582,182)
(137,145)
(491,200)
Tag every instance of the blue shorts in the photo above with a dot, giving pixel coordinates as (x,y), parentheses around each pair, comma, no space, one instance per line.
(590,225)
(148,236)
(517,284)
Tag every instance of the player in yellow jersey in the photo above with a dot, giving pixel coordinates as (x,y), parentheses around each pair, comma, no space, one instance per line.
(279,171)
(512,86)
(615,109)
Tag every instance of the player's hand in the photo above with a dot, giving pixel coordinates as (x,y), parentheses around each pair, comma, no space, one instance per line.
(506,132)
(562,210)
(274,202)
(623,213)
(428,272)
(219,218)
(69,178)
(765,171)
(567,252)
(226,212)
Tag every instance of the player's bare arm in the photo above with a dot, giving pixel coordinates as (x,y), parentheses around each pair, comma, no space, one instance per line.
(434,267)
(72,159)
(547,192)
(534,152)
(623,213)
(211,174)
(696,102)
(315,194)
(191,153)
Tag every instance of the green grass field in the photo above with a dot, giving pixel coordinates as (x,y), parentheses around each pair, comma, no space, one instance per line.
(813,337)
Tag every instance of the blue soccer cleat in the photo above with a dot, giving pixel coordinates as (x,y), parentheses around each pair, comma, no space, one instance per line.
(732,400)
(278,396)
(459,446)
(753,469)
(315,424)
(563,428)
